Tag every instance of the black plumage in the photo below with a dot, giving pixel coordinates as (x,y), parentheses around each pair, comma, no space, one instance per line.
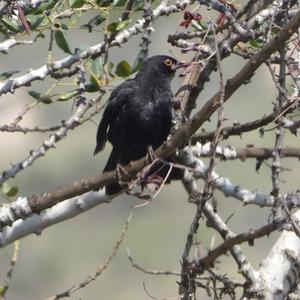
(138,114)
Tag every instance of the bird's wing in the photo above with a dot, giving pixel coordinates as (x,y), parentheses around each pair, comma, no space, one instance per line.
(117,99)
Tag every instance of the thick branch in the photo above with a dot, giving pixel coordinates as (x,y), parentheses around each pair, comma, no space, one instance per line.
(208,260)
(7,44)
(60,212)
(189,157)
(278,272)
(72,207)
(230,152)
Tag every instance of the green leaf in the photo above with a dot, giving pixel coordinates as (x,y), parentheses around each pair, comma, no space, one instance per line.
(40,35)
(97,66)
(61,41)
(9,191)
(255,44)
(67,96)
(103,14)
(119,3)
(112,27)
(34,94)
(6,75)
(123,69)
(95,21)
(110,69)
(123,24)
(64,26)
(76,3)
(74,19)
(275,30)
(42,7)
(92,88)
(38,96)
(115,26)
(37,22)
(45,100)
(138,61)
(104,3)
(94,81)
(10,25)
(138,5)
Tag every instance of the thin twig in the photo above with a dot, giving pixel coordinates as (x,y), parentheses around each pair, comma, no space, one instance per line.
(10,271)
(99,270)
(155,298)
(150,272)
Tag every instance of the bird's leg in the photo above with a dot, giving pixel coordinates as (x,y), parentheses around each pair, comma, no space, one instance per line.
(122,175)
(150,157)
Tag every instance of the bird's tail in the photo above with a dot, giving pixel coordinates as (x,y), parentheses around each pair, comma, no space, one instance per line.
(101,136)
(111,164)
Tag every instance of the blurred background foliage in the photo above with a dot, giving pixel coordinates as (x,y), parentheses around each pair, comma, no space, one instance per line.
(66,253)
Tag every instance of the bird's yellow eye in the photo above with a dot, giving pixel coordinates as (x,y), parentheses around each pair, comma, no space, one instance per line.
(168,62)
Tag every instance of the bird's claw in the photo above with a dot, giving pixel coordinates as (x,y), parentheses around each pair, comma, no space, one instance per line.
(152,182)
(121,174)
(150,157)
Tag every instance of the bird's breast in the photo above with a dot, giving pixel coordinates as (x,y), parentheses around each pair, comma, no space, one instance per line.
(148,123)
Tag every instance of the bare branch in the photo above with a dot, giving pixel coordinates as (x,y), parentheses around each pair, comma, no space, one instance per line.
(60,212)
(230,152)
(251,235)
(279,270)
(7,44)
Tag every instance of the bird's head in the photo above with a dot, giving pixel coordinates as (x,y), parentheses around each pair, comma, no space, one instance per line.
(161,66)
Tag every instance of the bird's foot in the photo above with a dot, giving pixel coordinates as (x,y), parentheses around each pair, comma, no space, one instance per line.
(150,157)
(152,182)
(122,175)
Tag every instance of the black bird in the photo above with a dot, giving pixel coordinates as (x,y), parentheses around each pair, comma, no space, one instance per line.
(138,114)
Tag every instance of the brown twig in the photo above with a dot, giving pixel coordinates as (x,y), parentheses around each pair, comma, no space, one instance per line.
(150,272)
(251,235)
(239,129)
(10,271)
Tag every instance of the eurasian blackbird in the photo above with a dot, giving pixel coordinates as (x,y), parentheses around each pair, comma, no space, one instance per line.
(138,114)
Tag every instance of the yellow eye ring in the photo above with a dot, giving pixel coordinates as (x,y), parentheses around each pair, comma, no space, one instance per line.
(168,62)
